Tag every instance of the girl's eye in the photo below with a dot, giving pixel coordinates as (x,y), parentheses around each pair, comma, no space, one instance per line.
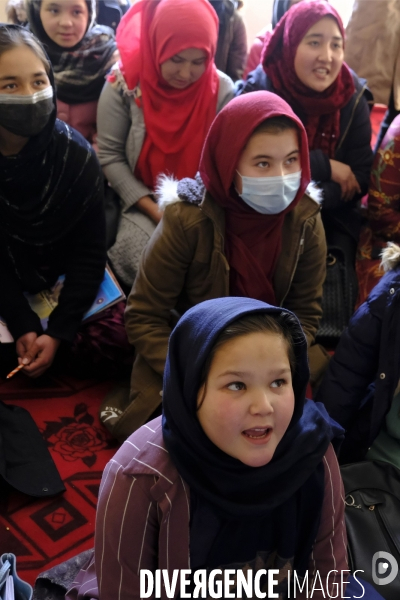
(200,62)
(292,160)
(54,11)
(236,386)
(314,43)
(10,86)
(40,82)
(77,12)
(278,383)
(262,165)
(176,59)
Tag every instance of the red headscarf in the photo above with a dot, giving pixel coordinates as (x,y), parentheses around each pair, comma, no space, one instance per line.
(322,109)
(252,240)
(177,121)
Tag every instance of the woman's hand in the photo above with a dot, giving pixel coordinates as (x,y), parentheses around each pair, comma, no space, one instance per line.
(24,343)
(147,206)
(345,177)
(39,355)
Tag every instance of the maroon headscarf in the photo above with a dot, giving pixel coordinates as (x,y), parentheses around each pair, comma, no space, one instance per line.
(322,109)
(252,240)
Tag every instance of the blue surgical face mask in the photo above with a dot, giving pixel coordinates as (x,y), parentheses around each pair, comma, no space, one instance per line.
(270,195)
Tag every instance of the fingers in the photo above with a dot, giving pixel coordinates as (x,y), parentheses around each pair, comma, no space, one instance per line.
(346,189)
(351,188)
(24,343)
(31,355)
(36,370)
(37,366)
(41,354)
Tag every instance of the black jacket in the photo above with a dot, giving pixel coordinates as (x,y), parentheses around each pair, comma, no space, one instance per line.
(231,53)
(110,12)
(353,149)
(362,377)
(80,256)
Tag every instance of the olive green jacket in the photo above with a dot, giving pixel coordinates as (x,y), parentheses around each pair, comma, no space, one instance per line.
(184,263)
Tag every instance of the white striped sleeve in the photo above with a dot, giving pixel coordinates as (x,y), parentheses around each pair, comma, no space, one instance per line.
(330,551)
(126,538)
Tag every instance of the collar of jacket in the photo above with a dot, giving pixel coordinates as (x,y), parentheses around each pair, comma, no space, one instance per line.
(293,238)
(293,232)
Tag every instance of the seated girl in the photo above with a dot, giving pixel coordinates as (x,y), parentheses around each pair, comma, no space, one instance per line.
(239,473)
(81,54)
(361,387)
(303,63)
(155,111)
(383,211)
(243,227)
(51,219)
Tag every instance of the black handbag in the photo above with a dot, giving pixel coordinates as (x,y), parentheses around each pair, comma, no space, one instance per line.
(339,295)
(372,496)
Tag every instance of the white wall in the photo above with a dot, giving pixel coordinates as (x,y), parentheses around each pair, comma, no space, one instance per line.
(257,14)
(2,11)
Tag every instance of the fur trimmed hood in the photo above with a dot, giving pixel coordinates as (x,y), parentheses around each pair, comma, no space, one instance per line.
(170,190)
(390,257)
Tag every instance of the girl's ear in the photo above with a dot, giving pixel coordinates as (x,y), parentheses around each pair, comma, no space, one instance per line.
(201,394)
(237,182)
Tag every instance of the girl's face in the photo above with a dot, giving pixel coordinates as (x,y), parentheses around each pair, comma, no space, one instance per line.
(64,21)
(269,155)
(183,69)
(249,398)
(319,56)
(22,72)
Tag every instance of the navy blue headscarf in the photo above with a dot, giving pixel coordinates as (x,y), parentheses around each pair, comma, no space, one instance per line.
(293,479)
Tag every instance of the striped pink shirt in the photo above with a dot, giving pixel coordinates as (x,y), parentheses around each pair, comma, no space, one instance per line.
(143,518)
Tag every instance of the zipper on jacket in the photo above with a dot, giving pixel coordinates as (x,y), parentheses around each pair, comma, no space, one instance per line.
(299,252)
(351,118)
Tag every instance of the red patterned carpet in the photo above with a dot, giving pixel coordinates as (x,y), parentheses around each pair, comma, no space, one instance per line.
(45,532)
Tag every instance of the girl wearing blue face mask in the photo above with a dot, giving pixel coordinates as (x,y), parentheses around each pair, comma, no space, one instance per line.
(244,227)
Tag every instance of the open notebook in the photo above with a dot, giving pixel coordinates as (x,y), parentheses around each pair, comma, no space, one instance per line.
(44,302)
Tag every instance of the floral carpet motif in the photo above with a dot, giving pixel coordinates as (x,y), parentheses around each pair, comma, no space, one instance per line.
(45,532)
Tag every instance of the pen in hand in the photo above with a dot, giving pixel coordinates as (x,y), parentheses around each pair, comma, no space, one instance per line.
(15,371)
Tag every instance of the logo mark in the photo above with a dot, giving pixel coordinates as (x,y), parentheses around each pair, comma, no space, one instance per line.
(384,568)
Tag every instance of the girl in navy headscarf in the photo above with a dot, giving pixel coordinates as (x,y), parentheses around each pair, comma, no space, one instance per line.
(239,472)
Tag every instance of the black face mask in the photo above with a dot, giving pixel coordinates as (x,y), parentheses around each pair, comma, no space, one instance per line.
(26,115)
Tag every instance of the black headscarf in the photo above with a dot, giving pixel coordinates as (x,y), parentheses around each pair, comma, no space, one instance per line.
(79,71)
(279,8)
(219,7)
(292,481)
(47,187)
